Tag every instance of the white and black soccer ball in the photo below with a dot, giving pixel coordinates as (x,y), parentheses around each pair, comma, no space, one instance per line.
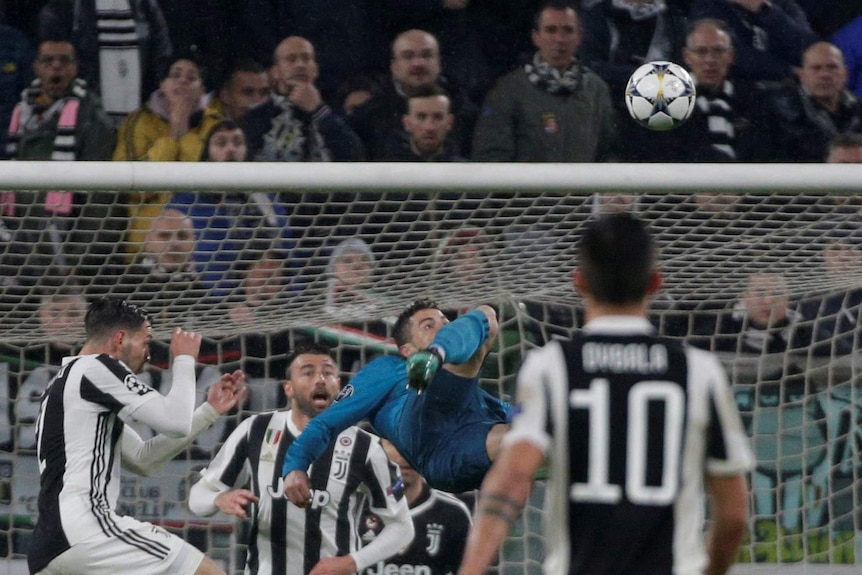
(660,95)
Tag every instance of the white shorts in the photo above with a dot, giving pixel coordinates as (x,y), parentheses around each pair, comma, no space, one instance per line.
(136,548)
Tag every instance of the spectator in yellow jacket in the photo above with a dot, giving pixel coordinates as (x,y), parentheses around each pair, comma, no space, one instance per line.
(174,122)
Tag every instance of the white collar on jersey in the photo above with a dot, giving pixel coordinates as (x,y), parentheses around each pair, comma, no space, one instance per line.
(619,324)
(291,425)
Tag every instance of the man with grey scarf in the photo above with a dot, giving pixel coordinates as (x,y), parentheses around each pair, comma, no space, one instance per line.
(551,109)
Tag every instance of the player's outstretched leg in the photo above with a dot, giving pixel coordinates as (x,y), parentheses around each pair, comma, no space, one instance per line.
(422,366)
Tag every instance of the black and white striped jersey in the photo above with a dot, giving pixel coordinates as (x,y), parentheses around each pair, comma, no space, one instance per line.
(288,540)
(442,523)
(78,442)
(631,424)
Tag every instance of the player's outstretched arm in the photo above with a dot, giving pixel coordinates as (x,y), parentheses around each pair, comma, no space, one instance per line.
(728,497)
(228,472)
(235,502)
(502,498)
(146,457)
(367,391)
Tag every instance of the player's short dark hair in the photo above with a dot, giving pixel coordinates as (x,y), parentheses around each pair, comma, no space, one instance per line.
(401,329)
(617,257)
(239,66)
(428,92)
(313,348)
(562,5)
(107,315)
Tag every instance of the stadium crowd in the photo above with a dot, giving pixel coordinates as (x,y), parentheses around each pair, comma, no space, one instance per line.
(450,80)
(457,80)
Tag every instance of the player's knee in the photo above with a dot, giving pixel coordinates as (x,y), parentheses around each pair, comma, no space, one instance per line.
(494,439)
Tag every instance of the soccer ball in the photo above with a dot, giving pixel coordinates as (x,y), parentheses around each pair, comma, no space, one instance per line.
(660,95)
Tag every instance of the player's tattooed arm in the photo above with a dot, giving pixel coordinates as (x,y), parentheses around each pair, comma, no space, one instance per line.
(500,506)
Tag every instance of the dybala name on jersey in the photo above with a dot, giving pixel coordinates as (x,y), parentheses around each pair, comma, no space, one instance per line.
(624,358)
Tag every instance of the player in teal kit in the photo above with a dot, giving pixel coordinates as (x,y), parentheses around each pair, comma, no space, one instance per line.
(444,424)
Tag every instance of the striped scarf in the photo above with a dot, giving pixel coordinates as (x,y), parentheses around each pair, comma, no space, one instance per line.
(120,70)
(718,107)
(27,117)
(549,79)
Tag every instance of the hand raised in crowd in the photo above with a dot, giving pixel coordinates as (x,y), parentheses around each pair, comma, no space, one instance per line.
(228,392)
(183,101)
(304,95)
(185,343)
(236,502)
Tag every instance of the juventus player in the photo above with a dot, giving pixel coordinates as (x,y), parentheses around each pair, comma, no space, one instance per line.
(633,426)
(82,441)
(321,538)
(441,520)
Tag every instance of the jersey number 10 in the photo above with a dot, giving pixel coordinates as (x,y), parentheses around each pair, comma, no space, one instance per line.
(596,400)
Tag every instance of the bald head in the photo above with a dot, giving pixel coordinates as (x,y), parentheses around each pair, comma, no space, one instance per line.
(708,53)
(294,61)
(823,74)
(415,60)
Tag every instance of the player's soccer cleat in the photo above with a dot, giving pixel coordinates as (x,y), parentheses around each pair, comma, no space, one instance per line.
(422,366)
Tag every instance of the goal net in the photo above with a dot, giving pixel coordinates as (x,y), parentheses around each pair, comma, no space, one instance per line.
(770,280)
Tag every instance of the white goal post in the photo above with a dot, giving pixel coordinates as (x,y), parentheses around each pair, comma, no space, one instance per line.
(142,176)
(802,404)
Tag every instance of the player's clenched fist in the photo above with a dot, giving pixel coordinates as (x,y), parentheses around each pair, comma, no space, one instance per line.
(297,488)
(185,343)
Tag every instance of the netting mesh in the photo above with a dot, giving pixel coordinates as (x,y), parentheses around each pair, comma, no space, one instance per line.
(521,246)
(770,281)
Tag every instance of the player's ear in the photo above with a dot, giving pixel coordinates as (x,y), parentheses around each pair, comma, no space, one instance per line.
(287,387)
(655,282)
(579,280)
(407,349)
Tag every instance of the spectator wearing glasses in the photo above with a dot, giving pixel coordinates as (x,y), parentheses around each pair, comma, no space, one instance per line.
(120,66)
(58,117)
(722,126)
(769,35)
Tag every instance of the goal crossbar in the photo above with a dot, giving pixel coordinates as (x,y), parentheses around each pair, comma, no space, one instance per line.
(149,176)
